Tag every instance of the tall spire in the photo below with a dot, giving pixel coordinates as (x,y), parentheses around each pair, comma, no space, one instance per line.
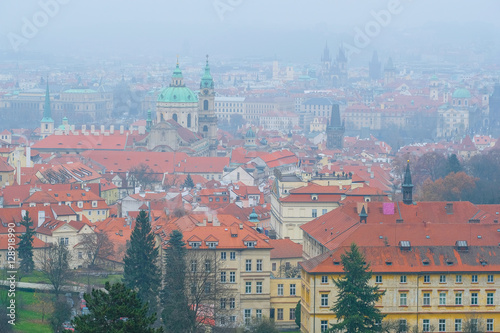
(407,186)
(207,81)
(47,113)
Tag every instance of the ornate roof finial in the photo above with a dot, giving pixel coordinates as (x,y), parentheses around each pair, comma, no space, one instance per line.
(207,59)
(177,60)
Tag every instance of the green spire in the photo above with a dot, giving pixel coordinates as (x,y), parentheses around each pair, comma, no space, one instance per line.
(207,80)
(47,114)
(363,215)
(407,186)
(407,176)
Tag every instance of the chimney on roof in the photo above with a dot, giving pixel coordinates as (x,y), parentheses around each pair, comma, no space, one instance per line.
(112,129)
(449,208)
(23,213)
(84,128)
(120,232)
(92,129)
(41,217)
(121,129)
(241,225)
(216,222)
(102,129)
(28,157)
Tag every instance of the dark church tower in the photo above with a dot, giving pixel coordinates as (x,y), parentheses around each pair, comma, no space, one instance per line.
(207,124)
(407,186)
(335,130)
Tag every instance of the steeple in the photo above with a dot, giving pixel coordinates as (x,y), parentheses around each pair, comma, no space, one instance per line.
(47,113)
(335,130)
(407,186)
(326,54)
(47,123)
(362,215)
(207,80)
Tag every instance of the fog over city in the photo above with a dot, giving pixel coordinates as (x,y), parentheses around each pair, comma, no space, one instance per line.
(289,30)
(249,166)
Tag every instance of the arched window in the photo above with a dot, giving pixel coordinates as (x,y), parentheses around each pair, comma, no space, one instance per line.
(205,128)
(174,116)
(189,120)
(205,105)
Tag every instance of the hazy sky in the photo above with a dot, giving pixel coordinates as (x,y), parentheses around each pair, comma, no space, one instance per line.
(232,28)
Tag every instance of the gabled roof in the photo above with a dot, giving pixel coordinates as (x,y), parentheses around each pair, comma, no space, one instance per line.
(285,248)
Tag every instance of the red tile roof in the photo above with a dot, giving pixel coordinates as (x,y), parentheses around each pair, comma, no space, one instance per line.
(285,248)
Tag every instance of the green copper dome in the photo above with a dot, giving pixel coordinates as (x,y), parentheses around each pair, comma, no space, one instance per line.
(177,95)
(177,92)
(250,133)
(461,93)
(253,216)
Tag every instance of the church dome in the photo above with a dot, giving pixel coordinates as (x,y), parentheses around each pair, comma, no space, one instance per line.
(177,95)
(177,92)
(250,133)
(461,93)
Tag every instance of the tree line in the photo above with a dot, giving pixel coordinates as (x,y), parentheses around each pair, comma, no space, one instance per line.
(438,177)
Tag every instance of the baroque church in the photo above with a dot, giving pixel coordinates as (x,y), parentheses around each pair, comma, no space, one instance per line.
(184,121)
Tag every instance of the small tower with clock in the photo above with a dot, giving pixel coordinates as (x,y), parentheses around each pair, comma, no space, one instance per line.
(207,120)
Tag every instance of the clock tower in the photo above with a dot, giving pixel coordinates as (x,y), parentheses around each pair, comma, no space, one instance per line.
(207,123)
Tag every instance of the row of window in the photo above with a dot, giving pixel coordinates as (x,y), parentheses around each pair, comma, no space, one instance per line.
(427,278)
(315,211)
(258,287)
(248,265)
(293,289)
(403,297)
(426,325)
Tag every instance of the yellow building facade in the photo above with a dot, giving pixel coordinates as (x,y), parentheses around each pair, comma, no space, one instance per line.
(439,295)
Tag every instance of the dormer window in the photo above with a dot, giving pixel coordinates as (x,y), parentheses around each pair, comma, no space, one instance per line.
(80,204)
(94,203)
(250,244)
(212,245)
(195,245)
(314,197)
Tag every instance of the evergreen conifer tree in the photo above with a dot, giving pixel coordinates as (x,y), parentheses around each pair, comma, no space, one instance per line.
(116,310)
(177,315)
(355,305)
(188,182)
(141,271)
(25,247)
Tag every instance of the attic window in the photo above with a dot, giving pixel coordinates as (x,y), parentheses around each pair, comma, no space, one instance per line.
(425,262)
(388,262)
(314,197)
(212,245)
(250,244)
(195,245)
(483,262)
(336,262)
(449,262)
